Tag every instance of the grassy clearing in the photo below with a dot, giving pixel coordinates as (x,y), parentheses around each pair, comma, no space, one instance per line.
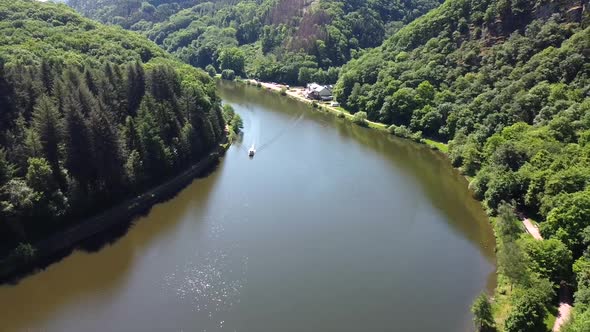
(439,145)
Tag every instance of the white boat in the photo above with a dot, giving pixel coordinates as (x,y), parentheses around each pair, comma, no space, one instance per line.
(251,152)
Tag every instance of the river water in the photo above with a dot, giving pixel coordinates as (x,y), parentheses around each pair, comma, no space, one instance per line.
(330,227)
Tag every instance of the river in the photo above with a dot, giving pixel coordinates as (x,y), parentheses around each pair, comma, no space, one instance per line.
(330,227)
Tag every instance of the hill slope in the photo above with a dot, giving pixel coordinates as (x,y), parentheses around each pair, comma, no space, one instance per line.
(508,82)
(90,115)
(266,39)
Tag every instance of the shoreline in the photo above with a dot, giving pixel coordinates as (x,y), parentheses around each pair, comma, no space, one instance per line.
(296,93)
(59,245)
(434,145)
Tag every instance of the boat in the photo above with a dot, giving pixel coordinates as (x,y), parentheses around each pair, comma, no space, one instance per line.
(251,152)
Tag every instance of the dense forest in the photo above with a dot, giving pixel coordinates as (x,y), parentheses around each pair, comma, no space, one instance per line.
(90,115)
(508,83)
(289,41)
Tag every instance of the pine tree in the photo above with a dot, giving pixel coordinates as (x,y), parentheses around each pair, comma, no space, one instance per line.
(90,81)
(135,87)
(47,76)
(6,91)
(85,100)
(130,136)
(6,169)
(46,123)
(107,152)
(79,158)
(153,150)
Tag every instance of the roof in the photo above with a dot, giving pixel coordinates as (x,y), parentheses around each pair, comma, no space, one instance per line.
(319,88)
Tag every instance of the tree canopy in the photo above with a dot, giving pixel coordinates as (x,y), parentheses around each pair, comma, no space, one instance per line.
(90,115)
(290,41)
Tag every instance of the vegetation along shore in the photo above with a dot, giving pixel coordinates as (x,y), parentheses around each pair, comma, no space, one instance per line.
(91,116)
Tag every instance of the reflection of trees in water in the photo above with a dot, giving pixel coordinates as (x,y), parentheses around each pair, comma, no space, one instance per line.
(430,169)
(437,178)
(38,297)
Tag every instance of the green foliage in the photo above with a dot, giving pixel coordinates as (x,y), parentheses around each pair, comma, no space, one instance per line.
(513,103)
(24,252)
(508,227)
(360,118)
(482,314)
(233,119)
(550,258)
(568,220)
(232,59)
(211,70)
(91,115)
(580,322)
(228,74)
(527,314)
(581,270)
(513,263)
(283,41)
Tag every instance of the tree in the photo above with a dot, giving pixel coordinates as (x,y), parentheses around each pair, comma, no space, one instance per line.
(107,157)
(78,147)
(360,118)
(153,150)
(353,101)
(232,59)
(482,314)
(18,199)
(135,87)
(513,263)
(568,220)
(46,123)
(549,258)
(39,176)
(211,70)
(6,169)
(48,199)
(228,74)
(24,252)
(579,322)
(508,228)
(527,315)
(403,103)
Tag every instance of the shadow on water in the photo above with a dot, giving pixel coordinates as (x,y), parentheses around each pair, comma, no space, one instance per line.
(433,172)
(102,264)
(99,241)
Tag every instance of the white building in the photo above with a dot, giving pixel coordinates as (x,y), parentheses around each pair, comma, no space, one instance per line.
(318,92)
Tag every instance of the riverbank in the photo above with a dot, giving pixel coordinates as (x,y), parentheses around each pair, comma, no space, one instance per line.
(61,244)
(297,93)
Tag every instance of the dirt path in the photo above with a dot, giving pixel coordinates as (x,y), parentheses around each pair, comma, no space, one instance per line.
(532,229)
(565,298)
(565,307)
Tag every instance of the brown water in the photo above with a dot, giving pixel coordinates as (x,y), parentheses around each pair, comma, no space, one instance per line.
(331,227)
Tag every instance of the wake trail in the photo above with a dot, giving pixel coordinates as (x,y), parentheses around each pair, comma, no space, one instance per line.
(280,133)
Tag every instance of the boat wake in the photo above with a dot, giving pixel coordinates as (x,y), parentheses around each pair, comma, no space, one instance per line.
(255,133)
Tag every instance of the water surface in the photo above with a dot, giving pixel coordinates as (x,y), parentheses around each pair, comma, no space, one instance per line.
(331,227)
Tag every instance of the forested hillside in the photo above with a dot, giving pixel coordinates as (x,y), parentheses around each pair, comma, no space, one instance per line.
(508,82)
(290,41)
(89,115)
